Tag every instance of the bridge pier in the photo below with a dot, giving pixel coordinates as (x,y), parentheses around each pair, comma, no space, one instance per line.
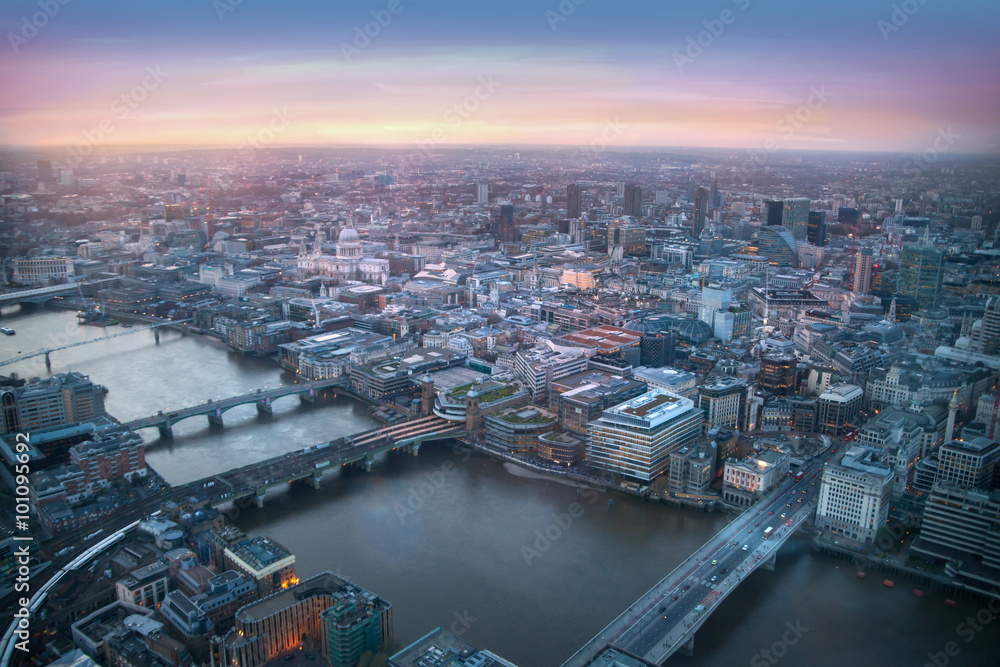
(770,563)
(166,432)
(308,397)
(48,362)
(687,648)
(259,494)
(264,407)
(156,335)
(215,419)
(317,476)
(415,448)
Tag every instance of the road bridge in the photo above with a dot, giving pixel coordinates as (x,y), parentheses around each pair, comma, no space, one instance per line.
(40,295)
(214,409)
(665,619)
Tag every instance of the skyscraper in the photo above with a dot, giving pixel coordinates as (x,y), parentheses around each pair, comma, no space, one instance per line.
(45,171)
(506,231)
(778,246)
(482,193)
(633,200)
(847,216)
(816,228)
(573,201)
(863,263)
(775,212)
(795,216)
(700,211)
(921,274)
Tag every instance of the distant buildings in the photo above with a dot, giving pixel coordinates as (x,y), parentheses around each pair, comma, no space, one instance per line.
(816,228)
(63,398)
(839,407)
(864,261)
(42,270)
(441,648)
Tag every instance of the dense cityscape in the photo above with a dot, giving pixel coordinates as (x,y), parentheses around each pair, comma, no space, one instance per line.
(573,333)
(801,348)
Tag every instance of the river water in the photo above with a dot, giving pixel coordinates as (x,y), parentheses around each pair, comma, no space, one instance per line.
(453,539)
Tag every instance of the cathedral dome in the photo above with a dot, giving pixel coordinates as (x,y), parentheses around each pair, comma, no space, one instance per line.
(349,235)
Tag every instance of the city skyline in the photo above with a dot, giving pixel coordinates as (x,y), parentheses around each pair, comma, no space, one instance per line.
(588,75)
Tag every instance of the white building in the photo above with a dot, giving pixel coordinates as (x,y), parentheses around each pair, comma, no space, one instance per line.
(636,438)
(668,379)
(745,481)
(39,270)
(349,263)
(855,495)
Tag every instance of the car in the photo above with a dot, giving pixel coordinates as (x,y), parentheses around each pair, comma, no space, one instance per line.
(686,586)
(782,515)
(756,525)
(673,599)
(745,547)
(800,500)
(715,562)
(794,492)
(735,543)
(788,505)
(770,512)
(834,451)
(714,577)
(814,474)
(290,656)
(749,530)
(662,609)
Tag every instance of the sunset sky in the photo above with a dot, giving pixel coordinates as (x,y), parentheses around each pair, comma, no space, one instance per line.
(227,69)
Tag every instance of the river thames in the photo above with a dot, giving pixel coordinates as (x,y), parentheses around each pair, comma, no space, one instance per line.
(452,539)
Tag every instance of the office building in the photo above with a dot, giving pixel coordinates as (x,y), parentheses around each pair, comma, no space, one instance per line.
(583,397)
(45,171)
(656,350)
(110,457)
(775,212)
(779,246)
(692,468)
(482,194)
(855,495)
(795,217)
(779,373)
(921,274)
(839,407)
(635,438)
(816,228)
(746,480)
(145,586)
(41,270)
(700,212)
(344,618)
(63,398)
(633,201)
(723,400)
(986,332)
(848,216)
(517,429)
(668,379)
(963,525)
(968,463)
(506,232)
(270,565)
(574,201)
(864,262)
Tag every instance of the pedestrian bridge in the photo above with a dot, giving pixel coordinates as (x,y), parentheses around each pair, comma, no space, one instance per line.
(40,295)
